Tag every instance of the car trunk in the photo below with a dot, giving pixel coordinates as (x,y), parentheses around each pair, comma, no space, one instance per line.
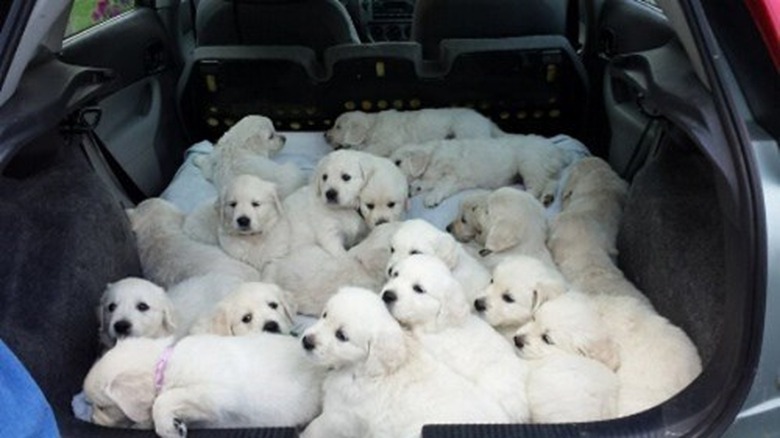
(687,236)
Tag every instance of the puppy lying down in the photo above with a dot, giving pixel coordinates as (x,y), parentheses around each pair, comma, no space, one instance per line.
(204,381)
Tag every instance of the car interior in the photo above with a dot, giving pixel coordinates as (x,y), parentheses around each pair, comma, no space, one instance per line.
(106,122)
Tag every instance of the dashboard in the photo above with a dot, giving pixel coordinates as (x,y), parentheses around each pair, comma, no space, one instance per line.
(385,20)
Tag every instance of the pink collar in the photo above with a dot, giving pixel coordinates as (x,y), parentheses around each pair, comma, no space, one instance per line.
(159,369)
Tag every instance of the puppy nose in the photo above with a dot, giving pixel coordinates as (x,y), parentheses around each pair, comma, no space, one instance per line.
(519,341)
(389,296)
(284,139)
(122,327)
(308,342)
(449,228)
(243,221)
(271,327)
(331,195)
(480,305)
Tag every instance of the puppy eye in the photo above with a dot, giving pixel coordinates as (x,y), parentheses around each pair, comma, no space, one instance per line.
(414,251)
(271,136)
(143,307)
(546,339)
(233,204)
(255,204)
(246,319)
(463,219)
(394,274)
(390,204)
(325,177)
(345,177)
(418,289)
(507,298)
(370,206)
(324,315)
(491,281)
(398,163)
(392,250)
(341,336)
(273,305)
(112,307)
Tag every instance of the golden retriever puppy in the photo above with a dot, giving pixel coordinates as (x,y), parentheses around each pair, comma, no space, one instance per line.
(570,388)
(518,286)
(246,148)
(252,224)
(503,223)
(380,382)
(426,299)
(168,256)
(417,236)
(204,381)
(134,307)
(446,167)
(313,275)
(384,198)
(251,308)
(381,133)
(622,332)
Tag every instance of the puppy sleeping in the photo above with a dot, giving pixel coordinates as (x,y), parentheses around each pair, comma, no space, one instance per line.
(417,236)
(621,332)
(381,133)
(246,148)
(134,307)
(425,298)
(503,223)
(204,381)
(168,256)
(380,382)
(445,167)
(519,285)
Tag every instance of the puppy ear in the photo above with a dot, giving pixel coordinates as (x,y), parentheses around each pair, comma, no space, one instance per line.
(219,323)
(133,393)
(277,201)
(545,291)
(418,162)
(603,350)
(454,307)
(502,234)
(169,318)
(446,249)
(288,305)
(387,350)
(357,129)
(316,176)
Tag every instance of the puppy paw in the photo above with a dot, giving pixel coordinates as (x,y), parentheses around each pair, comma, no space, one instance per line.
(180,427)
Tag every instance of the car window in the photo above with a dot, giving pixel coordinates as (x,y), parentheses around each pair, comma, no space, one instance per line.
(87,13)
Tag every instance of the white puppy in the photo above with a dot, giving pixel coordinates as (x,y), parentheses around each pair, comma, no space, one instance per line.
(204,381)
(622,332)
(569,388)
(424,297)
(134,307)
(313,275)
(168,256)
(381,133)
(384,197)
(417,236)
(445,167)
(251,308)
(504,223)
(325,212)
(518,286)
(252,225)
(246,148)
(381,383)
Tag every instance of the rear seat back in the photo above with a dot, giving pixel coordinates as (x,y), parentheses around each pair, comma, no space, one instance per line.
(316,24)
(525,84)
